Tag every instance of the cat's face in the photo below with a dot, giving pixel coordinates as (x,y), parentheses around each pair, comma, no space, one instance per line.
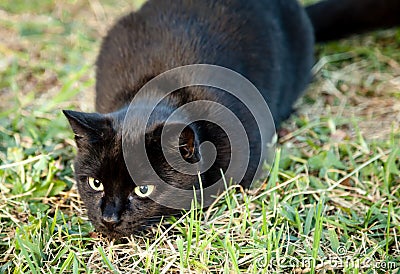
(116,205)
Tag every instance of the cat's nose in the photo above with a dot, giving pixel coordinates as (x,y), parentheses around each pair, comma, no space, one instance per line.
(110,220)
(111,212)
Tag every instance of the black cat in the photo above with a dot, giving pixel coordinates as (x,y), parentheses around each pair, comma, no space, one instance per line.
(269,42)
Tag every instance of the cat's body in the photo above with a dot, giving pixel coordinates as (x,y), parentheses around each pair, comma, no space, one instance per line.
(268,42)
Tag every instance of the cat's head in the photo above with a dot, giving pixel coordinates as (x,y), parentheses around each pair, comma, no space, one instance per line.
(117,205)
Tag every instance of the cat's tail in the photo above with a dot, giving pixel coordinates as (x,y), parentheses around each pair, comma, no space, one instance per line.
(335,19)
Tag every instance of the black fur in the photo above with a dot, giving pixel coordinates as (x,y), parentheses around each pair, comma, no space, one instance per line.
(334,19)
(270,42)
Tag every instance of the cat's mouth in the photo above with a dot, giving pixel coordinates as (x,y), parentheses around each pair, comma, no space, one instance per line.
(121,230)
(117,232)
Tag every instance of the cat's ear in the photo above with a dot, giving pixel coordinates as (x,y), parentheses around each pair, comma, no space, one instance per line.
(188,143)
(89,127)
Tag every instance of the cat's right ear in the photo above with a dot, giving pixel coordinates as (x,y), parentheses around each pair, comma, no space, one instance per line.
(88,127)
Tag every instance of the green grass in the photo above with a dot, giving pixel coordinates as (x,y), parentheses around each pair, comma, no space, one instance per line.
(333,197)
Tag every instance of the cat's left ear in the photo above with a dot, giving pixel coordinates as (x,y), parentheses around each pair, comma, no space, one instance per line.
(188,143)
(88,126)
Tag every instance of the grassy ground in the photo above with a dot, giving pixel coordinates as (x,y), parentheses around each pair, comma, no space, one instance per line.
(332,204)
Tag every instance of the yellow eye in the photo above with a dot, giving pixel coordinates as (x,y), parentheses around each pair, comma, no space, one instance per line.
(144,191)
(95,184)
